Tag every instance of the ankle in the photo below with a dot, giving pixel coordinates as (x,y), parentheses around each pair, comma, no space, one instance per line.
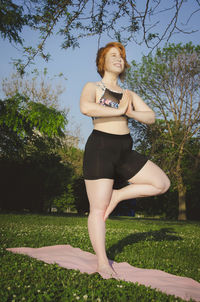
(102,262)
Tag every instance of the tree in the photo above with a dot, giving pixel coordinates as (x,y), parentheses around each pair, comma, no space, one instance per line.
(25,120)
(38,87)
(73,156)
(80,196)
(154,142)
(170,82)
(33,173)
(33,98)
(120,20)
(32,136)
(32,183)
(12,20)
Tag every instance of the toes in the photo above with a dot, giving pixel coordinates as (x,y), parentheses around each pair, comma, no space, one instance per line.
(108,275)
(107,272)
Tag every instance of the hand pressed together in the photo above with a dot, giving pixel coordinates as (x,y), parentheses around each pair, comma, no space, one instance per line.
(125,103)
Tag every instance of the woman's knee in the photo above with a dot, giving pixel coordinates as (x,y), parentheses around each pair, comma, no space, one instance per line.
(159,178)
(164,185)
(95,213)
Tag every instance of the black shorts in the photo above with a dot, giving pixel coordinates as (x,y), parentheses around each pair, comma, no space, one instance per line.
(111,156)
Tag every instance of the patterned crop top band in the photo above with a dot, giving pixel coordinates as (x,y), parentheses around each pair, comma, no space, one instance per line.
(109,98)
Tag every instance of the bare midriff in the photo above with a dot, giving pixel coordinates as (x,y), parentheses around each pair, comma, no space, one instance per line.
(113,125)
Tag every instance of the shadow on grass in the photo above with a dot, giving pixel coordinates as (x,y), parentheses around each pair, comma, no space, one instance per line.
(164,234)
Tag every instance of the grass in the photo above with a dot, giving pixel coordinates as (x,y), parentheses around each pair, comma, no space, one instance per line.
(171,246)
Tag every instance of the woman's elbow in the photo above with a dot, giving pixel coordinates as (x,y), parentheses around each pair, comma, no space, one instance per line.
(152,118)
(84,110)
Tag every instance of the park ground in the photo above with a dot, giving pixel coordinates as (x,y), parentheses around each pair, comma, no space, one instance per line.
(168,245)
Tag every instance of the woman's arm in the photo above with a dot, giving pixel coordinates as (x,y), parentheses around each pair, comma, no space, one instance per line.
(89,107)
(138,110)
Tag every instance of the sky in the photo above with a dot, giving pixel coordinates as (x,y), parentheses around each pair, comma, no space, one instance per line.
(78,65)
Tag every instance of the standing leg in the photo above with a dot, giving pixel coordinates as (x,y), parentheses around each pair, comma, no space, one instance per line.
(99,194)
(149,181)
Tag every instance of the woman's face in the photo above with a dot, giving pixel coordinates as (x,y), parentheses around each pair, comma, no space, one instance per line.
(114,61)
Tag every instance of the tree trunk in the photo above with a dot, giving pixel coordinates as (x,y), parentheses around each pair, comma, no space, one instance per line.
(181,200)
(181,192)
(181,187)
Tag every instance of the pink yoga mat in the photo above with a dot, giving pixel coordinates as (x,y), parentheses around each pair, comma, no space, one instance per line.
(74,258)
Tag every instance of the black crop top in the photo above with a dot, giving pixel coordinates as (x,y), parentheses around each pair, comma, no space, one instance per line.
(109,98)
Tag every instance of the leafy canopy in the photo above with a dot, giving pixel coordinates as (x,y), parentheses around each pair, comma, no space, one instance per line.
(120,20)
(24,117)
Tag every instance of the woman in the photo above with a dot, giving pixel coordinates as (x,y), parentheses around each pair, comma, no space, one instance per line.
(108,151)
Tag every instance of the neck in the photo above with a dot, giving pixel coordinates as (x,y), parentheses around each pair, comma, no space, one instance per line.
(110,79)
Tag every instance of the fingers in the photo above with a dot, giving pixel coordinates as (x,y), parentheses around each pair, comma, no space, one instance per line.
(124,103)
(126,96)
(128,100)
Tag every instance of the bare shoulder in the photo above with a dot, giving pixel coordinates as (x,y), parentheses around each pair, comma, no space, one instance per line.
(88,93)
(90,86)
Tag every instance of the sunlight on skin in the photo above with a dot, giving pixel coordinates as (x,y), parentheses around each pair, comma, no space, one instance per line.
(150,180)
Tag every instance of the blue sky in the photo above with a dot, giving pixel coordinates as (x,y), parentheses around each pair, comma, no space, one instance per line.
(78,65)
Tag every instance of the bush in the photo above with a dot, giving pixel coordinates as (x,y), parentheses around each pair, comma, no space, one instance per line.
(32,183)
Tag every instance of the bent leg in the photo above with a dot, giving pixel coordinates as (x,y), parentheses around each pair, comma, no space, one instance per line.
(99,194)
(149,181)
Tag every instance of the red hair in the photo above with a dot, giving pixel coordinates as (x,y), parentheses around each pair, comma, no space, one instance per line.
(101,54)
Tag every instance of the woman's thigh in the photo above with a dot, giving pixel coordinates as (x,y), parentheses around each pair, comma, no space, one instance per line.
(151,174)
(99,192)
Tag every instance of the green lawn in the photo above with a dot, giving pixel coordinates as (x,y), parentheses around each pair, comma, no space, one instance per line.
(171,246)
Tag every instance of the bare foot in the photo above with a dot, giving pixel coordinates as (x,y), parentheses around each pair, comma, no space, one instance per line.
(107,271)
(113,203)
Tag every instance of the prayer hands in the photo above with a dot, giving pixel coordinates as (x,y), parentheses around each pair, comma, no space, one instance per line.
(123,105)
(130,104)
